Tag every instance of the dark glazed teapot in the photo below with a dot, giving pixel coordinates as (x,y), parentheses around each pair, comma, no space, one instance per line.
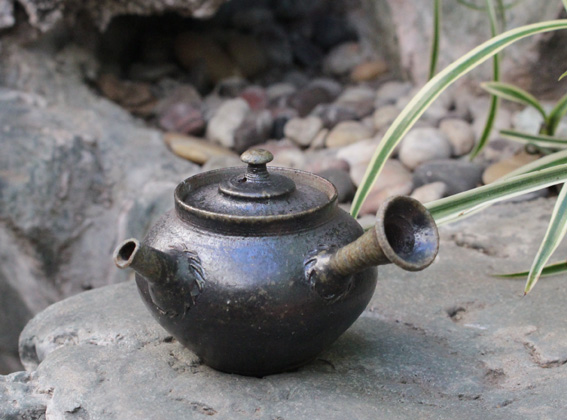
(258,271)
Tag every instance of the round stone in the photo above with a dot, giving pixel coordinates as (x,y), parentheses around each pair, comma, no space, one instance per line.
(348,132)
(430,192)
(194,149)
(424,144)
(302,131)
(228,117)
(460,134)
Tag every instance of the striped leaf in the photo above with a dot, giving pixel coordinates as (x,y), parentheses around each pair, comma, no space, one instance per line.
(563,75)
(564,4)
(434,56)
(556,231)
(540,140)
(458,206)
(432,89)
(549,270)
(555,115)
(514,93)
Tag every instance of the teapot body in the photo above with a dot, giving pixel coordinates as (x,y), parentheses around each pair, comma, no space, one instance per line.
(245,304)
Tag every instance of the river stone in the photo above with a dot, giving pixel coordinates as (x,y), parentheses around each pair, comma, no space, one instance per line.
(226,120)
(430,192)
(423,144)
(358,153)
(256,128)
(390,92)
(342,59)
(499,169)
(384,116)
(347,132)
(457,175)
(341,180)
(368,70)
(303,130)
(183,117)
(460,135)
(194,149)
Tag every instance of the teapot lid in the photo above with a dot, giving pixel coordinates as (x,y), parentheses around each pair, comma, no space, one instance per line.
(240,198)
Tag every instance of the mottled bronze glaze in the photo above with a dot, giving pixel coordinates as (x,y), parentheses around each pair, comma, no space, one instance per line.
(253,270)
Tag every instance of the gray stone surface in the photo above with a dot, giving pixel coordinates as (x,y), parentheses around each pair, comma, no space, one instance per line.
(77,175)
(450,342)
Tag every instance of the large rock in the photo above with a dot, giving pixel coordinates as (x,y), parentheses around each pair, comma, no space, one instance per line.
(78,175)
(45,14)
(450,342)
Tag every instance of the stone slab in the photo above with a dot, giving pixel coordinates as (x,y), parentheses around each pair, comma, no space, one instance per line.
(450,342)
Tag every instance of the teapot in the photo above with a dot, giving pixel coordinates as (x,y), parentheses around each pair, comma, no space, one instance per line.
(257,271)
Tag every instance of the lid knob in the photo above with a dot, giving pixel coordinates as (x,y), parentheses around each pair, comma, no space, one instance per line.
(257,182)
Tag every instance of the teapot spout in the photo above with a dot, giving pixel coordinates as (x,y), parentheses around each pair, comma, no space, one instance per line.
(155,266)
(405,234)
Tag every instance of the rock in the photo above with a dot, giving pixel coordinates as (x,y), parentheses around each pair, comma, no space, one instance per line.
(255,128)
(281,116)
(384,116)
(231,87)
(459,133)
(6,14)
(424,144)
(356,94)
(377,197)
(324,159)
(329,31)
(302,131)
(228,117)
(256,97)
(358,153)
(390,92)
(192,49)
(182,117)
(430,192)
(331,86)
(457,175)
(172,92)
(194,149)
(341,180)
(347,132)
(286,153)
(500,149)
(151,72)
(247,53)
(222,161)
(393,173)
(332,114)
(342,59)
(319,140)
(308,98)
(499,169)
(528,120)
(368,70)
(279,90)
(136,97)
(478,108)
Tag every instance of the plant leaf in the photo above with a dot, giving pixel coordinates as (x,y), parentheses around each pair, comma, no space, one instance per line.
(494,100)
(541,140)
(432,89)
(564,5)
(549,270)
(434,56)
(513,93)
(556,231)
(457,206)
(473,6)
(555,115)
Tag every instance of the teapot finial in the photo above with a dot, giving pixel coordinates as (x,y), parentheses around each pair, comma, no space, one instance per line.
(256,157)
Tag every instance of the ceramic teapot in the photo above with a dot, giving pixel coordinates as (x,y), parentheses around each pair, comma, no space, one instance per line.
(257,271)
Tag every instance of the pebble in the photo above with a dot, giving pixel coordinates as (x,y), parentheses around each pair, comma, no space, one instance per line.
(324,159)
(306,99)
(460,134)
(332,114)
(384,116)
(331,86)
(195,149)
(151,72)
(357,94)
(368,70)
(528,120)
(377,197)
(393,173)
(279,90)
(319,140)
(231,87)
(256,97)
(302,131)
(430,192)
(183,118)
(341,180)
(286,153)
(457,175)
(247,53)
(347,132)
(136,97)
(222,161)
(192,48)
(478,108)
(359,152)
(342,59)
(390,92)
(228,117)
(500,149)
(424,144)
(499,169)
(254,129)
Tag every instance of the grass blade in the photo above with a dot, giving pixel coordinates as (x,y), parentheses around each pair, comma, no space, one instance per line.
(513,93)
(564,74)
(556,231)
(457,206)
(555,115)
(494,100)
(564,4)
(541,140)
(434,56)
(550,270)
(432,89)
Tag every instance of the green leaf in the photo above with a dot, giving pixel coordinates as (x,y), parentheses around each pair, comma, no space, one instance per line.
(556,231)
(563,75)
(513,93)
(434,56)
(555,159)
(541,140)
(457,206)
(549,270)
(474,6)
(494,100)
(564,5)
(432,89)
(555,115)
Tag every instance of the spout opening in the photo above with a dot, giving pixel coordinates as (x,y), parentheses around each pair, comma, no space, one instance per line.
(407,233)
(125,253)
